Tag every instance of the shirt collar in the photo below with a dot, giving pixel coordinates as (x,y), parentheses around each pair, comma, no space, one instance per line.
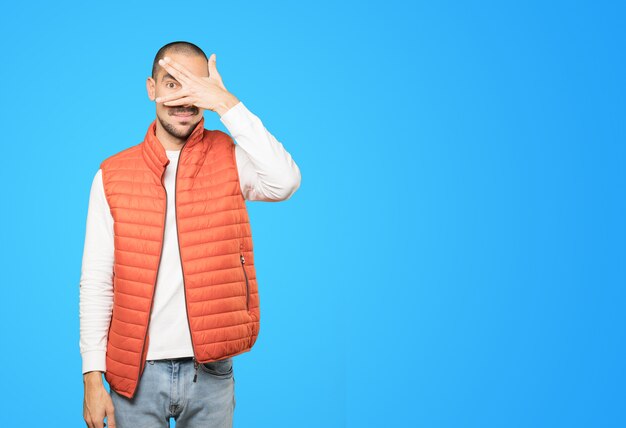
(154,152)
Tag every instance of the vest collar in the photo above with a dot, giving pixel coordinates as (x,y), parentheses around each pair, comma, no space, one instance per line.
(154,153)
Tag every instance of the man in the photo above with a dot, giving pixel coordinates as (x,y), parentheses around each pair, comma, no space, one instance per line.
(168,291)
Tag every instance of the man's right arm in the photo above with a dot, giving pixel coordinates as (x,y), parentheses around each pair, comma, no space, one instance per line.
(96,283)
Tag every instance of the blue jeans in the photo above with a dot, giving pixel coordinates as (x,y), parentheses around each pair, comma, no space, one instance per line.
(166,390)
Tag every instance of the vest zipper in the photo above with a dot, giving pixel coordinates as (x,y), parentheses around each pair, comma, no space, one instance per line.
(141,361)
(195,360)
(243,261)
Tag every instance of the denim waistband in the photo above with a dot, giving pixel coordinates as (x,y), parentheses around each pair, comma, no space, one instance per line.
(178,359)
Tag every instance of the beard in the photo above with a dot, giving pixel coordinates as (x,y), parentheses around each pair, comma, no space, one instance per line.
(177,132)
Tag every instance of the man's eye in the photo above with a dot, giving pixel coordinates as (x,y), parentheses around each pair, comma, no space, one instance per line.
(170,83)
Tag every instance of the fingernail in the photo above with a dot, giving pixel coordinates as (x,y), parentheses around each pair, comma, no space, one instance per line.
(161,61)
(167,59)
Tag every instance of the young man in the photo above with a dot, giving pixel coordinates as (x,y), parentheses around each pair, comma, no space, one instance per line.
(168,291)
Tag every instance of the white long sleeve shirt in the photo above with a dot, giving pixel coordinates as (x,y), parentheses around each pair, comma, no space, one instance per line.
(266,173)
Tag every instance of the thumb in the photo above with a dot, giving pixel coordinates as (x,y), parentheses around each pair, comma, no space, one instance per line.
(213,73)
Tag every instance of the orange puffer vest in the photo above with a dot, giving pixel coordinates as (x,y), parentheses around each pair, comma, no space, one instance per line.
(215,243)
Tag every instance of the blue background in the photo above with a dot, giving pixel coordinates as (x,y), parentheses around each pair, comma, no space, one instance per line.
(455,255)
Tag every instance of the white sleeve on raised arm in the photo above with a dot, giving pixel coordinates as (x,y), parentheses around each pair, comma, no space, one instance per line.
(267,171)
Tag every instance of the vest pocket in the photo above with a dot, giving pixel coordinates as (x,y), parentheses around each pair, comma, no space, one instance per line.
(243,267)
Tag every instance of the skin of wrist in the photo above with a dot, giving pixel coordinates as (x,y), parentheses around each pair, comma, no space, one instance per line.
(226,104)
(92,377)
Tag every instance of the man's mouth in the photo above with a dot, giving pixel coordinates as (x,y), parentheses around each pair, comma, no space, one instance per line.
(184,113)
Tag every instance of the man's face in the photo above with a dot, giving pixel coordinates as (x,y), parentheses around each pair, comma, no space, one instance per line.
(180,120)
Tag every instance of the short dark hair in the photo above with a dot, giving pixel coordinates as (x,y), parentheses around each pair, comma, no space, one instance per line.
(180,47)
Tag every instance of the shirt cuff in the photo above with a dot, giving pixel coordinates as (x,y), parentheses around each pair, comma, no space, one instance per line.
(94,360)
(236,117)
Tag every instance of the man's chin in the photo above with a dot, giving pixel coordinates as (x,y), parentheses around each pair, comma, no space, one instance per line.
(179,129)
(182,124)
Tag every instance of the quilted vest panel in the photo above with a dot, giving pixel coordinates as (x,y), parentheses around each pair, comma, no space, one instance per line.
(215,242)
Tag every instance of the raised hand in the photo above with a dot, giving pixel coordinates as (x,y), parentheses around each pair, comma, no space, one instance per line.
(203,92)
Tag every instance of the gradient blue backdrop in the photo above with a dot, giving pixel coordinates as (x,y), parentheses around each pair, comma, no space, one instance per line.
(455,255)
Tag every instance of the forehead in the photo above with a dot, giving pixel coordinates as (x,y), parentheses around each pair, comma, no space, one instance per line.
(195,64)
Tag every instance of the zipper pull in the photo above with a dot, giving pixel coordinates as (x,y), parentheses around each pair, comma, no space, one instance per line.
(243,260)
(195,364)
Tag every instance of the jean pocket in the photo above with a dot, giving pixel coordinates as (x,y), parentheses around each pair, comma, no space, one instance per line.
(221,368)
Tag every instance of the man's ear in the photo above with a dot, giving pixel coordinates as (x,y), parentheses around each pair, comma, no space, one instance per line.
(151,87)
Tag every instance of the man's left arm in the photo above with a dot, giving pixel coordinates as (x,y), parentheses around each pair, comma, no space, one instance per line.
(267,172)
